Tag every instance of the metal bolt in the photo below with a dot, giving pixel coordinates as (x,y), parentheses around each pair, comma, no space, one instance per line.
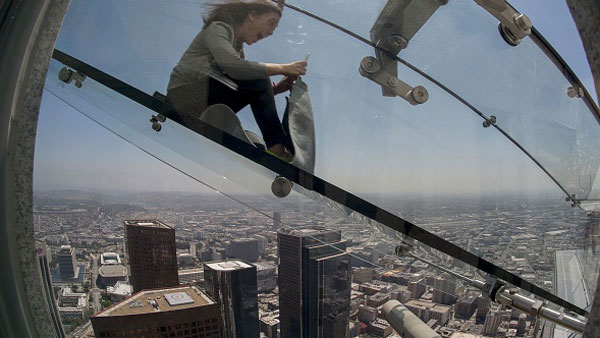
(369,64)
(522,22)
(65,75)
(393,82)
(281,186)
(156,126)
(398,41)
(420,94)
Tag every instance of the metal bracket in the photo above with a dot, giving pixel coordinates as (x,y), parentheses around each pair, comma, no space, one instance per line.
(397,23)
(489,122)
(491,287)
(371,69)
(573,199)
(404,249)
(513,25)
(68,75)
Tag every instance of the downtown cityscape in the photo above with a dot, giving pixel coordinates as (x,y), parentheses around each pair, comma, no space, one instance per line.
(205,265)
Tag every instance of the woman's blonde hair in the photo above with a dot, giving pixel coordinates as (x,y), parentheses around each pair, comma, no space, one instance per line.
(234,12)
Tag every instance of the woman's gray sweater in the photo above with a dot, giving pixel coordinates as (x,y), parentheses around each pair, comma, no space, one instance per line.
(214,51)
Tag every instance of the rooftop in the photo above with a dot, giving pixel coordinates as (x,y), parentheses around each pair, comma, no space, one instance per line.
(244,240)
(147,223)
(159,300)
(190,271)
(228,265)
(120,288)
(112,271)
(305,231)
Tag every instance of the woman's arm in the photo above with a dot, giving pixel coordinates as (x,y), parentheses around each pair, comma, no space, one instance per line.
(218,39)
(289,69)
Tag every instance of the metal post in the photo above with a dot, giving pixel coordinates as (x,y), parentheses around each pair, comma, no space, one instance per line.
(405,322)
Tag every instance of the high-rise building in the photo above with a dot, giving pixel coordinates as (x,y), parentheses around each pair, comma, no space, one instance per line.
(170,312)
(483,306)
(314,283)
(276,220)
(465,306)
(492,321)
(233,285)
(244,248)
(362,275)
(265,276)
(66,262)
(151,253)
(417,287)
(269,326)
(263,242)
(44,269)
(443,290)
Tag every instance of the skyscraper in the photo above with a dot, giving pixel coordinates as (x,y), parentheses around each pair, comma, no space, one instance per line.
(66,262)
(444,289)
(314,283)
(233,285)
(492,321)
(276,220)
(244,248)
(170,312)
(151,253)
(42,257)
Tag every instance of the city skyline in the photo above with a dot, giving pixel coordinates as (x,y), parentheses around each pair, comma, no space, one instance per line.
(219,221)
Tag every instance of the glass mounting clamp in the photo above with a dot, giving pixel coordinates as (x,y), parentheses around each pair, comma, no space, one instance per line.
(397,23)
(489,122)
(281,186)
(67,75)
(391,85)
(513,26)
(575,92)
(156,121)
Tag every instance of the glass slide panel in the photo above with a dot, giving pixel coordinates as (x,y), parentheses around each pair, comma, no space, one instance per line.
(432,164)
(369,245)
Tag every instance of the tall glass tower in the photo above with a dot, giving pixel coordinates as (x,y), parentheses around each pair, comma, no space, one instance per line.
(233,285)
(66,262)
(314,283)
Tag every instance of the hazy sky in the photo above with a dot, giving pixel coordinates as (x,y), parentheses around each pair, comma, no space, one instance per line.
(365,142)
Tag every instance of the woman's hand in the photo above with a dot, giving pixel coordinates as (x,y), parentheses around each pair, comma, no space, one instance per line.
(290,69)
(284,84)
(294,69)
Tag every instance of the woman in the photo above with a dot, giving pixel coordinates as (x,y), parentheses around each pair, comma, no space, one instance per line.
(213,69)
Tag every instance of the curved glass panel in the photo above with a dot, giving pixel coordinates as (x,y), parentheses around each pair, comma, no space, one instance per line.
(432,164)
(460,47)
